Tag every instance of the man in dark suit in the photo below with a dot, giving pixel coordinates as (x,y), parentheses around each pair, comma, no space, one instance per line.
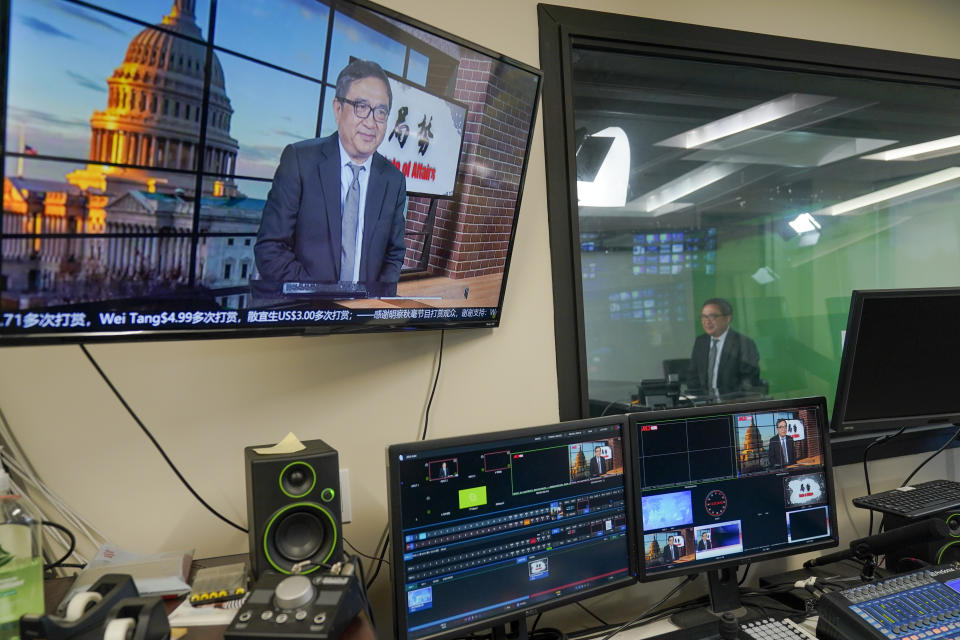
(671,552)
(781,451)
(722,361)
(335,211)
(704,544)
(598,465)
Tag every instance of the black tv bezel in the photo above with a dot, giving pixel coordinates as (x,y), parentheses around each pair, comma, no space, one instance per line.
(304,328)
(839,422)
(395,524)
(706,410)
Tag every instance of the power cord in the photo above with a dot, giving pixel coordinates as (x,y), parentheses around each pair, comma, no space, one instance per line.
(866,473)
(436,378)
(932,456)
(156,444)
(593,615)
(384,543)
(73,545)
(650,609)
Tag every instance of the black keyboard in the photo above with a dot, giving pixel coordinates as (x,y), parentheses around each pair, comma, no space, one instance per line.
(325,289)
(914,501)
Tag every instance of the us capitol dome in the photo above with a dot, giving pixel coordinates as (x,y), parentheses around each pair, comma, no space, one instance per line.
(154,109)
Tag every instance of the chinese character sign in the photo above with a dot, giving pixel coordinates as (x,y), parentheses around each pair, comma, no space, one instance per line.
(424,134)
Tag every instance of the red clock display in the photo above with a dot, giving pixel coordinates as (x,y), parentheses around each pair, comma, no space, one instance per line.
(715,503)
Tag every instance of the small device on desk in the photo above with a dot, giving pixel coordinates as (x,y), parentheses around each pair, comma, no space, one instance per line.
(920,604)
(110,610)
(771,629)
(320,605)
(914,501)
(86,613)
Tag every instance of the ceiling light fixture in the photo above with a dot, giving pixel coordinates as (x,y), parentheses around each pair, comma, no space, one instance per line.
(804,223)
(875,197)
(747,119)
(655,201)
(609,186)
(922,151)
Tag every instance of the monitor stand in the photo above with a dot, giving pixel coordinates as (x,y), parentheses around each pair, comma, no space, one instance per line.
(724,596)
(511,630)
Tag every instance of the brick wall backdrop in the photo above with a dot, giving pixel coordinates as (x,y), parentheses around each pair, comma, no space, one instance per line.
(472,230)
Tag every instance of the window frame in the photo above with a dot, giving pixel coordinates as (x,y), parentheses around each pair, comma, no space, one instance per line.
(561,30)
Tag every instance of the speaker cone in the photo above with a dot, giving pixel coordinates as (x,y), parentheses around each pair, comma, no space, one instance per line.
(300,532)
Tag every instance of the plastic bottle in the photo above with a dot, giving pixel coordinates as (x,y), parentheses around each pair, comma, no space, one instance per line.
(21,561)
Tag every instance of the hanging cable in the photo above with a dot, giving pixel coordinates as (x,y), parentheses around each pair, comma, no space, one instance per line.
(156,444)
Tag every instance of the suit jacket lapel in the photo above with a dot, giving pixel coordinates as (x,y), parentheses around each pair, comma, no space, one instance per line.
(329,169)
(373,208)
(726,356)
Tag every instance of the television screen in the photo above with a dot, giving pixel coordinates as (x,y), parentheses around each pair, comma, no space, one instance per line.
(180,167)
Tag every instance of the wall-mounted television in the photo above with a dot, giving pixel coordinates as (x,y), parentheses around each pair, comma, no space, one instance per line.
(167,170)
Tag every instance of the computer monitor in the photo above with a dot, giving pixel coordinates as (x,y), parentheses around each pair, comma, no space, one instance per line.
(716,487)
(898,368)
(486,529)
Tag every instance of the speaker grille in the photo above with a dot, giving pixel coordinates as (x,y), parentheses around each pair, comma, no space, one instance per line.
(299,532)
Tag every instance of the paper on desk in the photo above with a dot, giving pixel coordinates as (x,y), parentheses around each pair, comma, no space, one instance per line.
(158,574)
(289,444)
(221,613)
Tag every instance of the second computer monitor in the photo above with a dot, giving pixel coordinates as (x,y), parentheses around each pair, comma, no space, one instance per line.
(486,528)
(725,485)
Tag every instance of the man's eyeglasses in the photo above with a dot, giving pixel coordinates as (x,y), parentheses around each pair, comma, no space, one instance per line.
(712,316)
(362,108)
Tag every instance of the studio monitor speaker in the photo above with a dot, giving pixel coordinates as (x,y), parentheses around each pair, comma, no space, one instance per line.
(934,550)
(293,509)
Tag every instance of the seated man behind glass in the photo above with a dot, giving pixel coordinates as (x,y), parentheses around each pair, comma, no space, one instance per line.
(723,360)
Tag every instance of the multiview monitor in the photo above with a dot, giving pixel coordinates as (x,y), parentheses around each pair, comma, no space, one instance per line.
(725,485)
(485,529)
(896,369)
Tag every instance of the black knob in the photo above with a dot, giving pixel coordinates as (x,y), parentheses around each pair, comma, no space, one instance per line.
(729,627)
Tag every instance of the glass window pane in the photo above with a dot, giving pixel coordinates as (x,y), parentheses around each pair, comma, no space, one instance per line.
(254,27)
(68,207)
(417,67)
(154,12)
(264,122)
(778,191)
(353,38)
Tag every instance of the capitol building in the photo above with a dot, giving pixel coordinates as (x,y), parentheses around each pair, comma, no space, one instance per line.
(152,120)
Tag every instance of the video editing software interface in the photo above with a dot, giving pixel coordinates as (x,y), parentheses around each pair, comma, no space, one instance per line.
(729,485)
(493,528)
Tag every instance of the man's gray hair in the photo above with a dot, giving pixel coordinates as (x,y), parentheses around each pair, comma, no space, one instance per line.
(358,70)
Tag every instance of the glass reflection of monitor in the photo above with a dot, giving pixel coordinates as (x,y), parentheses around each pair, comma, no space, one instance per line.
(533,519)
(717,488)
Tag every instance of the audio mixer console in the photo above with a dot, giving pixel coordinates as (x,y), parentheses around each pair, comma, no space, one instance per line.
(920,605)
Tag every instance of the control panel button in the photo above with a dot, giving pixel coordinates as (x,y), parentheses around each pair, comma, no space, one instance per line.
(293,592)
